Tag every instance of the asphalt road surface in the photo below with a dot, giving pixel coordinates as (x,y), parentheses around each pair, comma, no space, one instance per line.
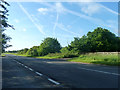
(27,72)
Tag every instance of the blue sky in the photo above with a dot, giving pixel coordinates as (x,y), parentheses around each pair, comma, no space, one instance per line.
(34,21)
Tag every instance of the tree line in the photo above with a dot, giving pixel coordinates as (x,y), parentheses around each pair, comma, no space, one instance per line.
(100,40)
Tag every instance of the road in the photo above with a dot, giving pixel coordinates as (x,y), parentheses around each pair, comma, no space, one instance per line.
(27,72)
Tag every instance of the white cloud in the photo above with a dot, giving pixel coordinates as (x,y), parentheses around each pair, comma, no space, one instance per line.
(90,8)
(110,10)
(43,10)
(16,20)
(39,27)
(62,27)
(24,30)
(54,27)
(59,7)
(63,0)
(113,25)
(94,20)
(69,26)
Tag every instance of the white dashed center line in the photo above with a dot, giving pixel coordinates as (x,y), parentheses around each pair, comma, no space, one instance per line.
(39,73)
(51,80)
(25,66)
(30,69)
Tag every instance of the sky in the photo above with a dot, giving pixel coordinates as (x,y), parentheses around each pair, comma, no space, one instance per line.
(34,21)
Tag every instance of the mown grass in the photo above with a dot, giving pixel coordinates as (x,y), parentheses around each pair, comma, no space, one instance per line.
(95,58)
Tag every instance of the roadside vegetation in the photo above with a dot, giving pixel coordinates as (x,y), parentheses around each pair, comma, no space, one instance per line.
(100,40)
(3,26)
(98,58)
(2,55)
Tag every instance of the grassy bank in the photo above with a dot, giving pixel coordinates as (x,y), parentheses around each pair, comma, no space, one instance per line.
(3,55)
(17,54)
(94,58)
(58,55)
(49,56)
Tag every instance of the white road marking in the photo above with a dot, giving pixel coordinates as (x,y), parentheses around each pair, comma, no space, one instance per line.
(30,69)
(25,66)
(39,73)
(18,62)
(100,71)
(53,81)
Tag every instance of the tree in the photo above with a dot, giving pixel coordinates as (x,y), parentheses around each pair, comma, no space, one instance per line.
(100,40)
(33,51)
(118,44)
(3,25)
(64,50)
(23,51)
(49,45)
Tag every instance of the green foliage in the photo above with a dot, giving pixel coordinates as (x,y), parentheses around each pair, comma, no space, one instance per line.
(98,58)
(3,25)
(64,50)
(49,45)
(23,51)
(100,40)
(69,54)
(33,51)
(5,39)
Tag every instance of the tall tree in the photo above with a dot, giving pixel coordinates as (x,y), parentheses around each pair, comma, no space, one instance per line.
(49,45)
(3,25)
(100,40)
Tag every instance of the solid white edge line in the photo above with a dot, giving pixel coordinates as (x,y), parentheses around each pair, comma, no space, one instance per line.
(38,73)
(100,71)
(57,83)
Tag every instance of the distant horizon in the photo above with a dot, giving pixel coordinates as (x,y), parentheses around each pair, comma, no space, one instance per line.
(35,21)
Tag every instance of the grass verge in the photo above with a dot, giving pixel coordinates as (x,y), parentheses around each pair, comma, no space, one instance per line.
(17,54)
(94,58)
(3,55)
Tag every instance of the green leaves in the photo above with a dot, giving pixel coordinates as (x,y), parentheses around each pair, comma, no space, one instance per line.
(98,40)
(4,24)
(49,45)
